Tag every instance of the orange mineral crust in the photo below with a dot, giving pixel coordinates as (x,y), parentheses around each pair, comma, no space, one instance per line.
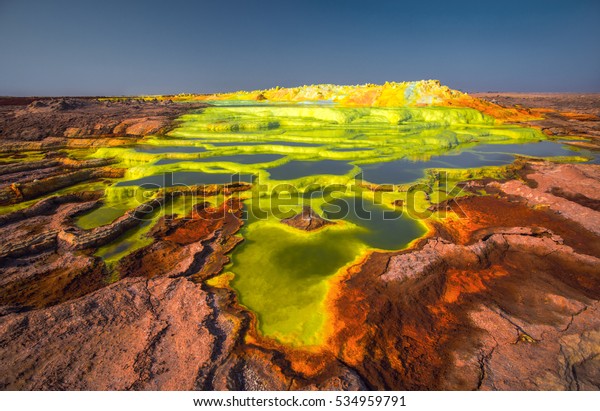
(414,319)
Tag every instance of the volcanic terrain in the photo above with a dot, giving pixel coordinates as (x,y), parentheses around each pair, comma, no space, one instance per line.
(502,292)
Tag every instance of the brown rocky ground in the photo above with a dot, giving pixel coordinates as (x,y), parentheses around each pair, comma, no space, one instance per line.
(79,117)
(505,297)
(565,114)
(52,124)
(502,300)
(45,128)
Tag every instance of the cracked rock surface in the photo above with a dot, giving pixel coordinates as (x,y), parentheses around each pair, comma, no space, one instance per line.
(484,303)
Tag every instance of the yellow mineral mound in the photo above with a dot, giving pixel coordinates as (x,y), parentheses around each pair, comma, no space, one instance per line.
(390,94)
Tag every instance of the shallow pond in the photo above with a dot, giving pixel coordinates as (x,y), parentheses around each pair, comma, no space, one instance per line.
(282,273)
(169,149)
(298,169)
(183,178)
(262,143)
(239,159)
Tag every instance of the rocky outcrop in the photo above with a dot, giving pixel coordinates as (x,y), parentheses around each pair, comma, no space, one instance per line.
(68,236)
(78,239)
(57,143)
(564,114)
(40,280)
(143,334)
(306,220)
(464,309)
(76,118)
(48,206)
(9,168)
(154,334)
(141,126)
(572,190)
(20,173)
(32,245)
(193,246)
(18,192)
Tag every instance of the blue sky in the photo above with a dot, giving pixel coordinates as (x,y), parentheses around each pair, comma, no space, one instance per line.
(158,47)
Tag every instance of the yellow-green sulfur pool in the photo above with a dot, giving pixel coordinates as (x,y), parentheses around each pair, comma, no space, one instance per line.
(352,165)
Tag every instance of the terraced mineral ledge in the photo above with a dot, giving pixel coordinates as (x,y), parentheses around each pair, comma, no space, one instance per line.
(396,236)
